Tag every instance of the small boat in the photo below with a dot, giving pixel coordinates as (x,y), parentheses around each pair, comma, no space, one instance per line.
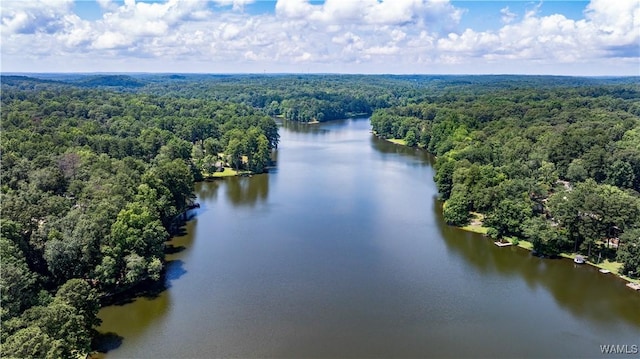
(605,271)
(579,259)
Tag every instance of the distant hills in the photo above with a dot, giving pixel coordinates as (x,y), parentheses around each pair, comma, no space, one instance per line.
(121,81)
(110,81)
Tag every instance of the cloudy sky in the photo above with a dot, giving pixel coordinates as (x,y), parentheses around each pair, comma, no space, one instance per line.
(597,37)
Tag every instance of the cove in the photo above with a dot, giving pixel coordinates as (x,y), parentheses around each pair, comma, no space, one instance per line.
(341,251)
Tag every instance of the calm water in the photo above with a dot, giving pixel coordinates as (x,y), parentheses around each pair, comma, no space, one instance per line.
(342,252)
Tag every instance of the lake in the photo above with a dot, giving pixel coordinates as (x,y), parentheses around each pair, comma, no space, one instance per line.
(341,252)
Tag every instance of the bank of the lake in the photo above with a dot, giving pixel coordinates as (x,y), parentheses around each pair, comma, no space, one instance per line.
(342,251)
(612,267)
(476,226)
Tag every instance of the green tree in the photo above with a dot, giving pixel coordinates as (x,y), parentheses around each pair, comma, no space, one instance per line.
(80,295)
(17,281)
(262,155)
(176,149)
(212,146)
(234,152)
(547,173)
(32,342)
(576,171)
(153,194)
(411,139)
(61,330)
(136,241)
(621,174)
(151,140)
(176,176)
(546,240)
(445,167)
(456,208)
(63,256)
(138,230)
(508,216)
(629,252)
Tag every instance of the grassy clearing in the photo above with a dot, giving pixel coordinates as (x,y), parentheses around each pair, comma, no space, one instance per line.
(475,225)
(614,267)
(525,244)
(228,172)
(397,141)
(476,228)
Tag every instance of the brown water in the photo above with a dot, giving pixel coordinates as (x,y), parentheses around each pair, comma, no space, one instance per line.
(341,252)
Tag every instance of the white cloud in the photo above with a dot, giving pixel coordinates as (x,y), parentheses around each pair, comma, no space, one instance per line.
(238,5)
(470,42)
(29,17)
(384,12)
(349,39)
(398,35)
(532,12)
(382,50)
(111,40)
(608,28)
(507,16)
(303,57)
(404,35)
(294,9)
(615,23)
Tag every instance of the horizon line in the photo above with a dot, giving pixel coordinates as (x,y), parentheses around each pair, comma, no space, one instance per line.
(294,73)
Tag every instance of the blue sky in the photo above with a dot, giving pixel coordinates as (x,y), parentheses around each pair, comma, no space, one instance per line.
(481,14)
(597,37)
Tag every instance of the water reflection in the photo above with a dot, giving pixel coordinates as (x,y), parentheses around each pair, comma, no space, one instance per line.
(418,156)
(239,190)
(104,342)
(576,289)
(299,127)
(247,191)
(141,314)
(208,190)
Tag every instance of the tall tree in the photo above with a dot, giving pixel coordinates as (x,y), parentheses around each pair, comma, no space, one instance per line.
(629,252)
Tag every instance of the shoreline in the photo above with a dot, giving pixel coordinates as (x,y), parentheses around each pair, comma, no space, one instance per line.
(315,121)
(475,226)
(524,244)
(228,172)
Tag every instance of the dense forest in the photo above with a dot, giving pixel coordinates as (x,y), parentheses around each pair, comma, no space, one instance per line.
(95,170)
(92,182)
(310,98)
(558,166)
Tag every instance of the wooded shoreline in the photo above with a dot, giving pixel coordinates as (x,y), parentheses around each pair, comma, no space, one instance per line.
(524,244)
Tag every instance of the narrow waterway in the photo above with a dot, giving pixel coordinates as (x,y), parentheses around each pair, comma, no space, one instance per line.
(341,252)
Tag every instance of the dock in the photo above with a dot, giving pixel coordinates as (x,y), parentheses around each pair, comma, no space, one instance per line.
(502,244)
(634,286)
